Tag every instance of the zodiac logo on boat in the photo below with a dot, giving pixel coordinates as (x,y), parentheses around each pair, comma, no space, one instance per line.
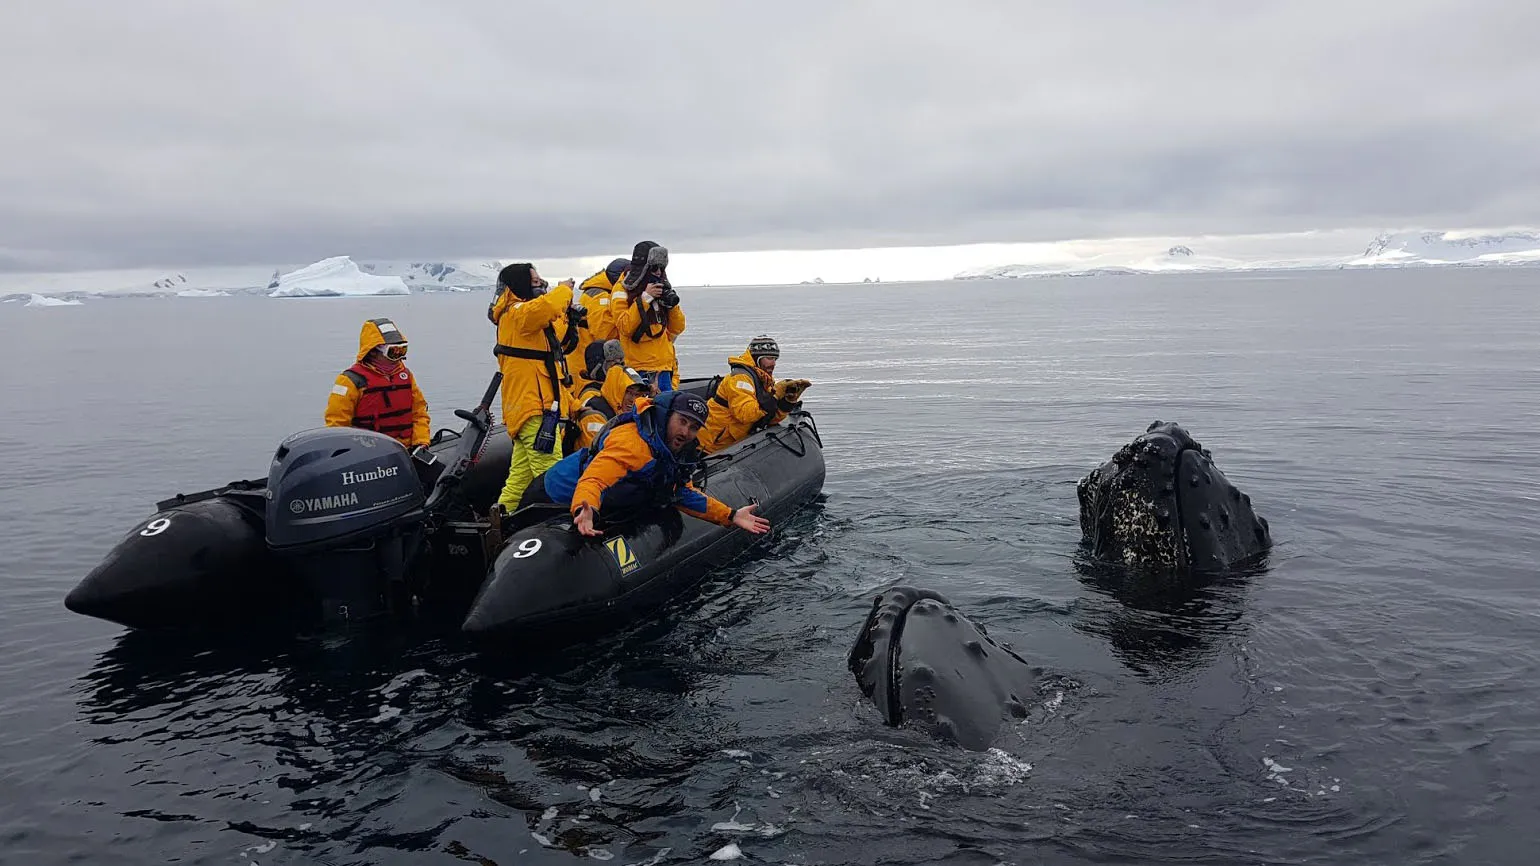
(623,555)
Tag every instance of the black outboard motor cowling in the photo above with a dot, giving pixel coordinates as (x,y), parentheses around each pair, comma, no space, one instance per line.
(345,505)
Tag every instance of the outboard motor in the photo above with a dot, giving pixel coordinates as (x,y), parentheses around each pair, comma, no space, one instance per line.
(345,506)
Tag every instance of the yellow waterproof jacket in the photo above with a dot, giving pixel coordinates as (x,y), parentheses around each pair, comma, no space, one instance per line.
(616,381)
(524,350)
(744,400)
(342,404)
(654,351)
(595,299)
(588,419)
(626,454)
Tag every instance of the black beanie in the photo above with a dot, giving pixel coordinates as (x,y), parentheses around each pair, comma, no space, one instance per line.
(593,358)
(517,278)
(613,269)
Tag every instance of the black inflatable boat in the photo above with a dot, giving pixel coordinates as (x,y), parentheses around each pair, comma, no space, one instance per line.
(347,525)
(351,526)
(551,584)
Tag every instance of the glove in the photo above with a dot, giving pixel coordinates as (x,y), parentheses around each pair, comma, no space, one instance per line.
(577,317)
(791,389)
(788,393)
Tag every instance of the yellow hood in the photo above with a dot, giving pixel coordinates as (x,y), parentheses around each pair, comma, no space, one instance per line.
(616,381)
(747,360)
(377,332)
(600,280)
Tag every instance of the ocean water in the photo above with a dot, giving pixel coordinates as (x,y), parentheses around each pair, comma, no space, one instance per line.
(1371,694)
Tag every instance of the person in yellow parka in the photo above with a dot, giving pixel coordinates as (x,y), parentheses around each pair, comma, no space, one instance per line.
(622,387)
(749,399)
(532,320)
(591,401)
(597,322)
(378,392)
(601,356)
(648,317)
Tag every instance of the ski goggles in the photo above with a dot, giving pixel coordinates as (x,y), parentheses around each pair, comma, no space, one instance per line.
(394,351)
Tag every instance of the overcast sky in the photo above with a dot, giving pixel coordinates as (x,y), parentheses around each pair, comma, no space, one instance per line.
(157,133)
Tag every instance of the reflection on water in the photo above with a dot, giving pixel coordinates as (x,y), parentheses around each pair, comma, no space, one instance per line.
(1160,625)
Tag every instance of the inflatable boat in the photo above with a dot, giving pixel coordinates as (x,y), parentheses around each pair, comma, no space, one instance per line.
(350,526)
(550,584)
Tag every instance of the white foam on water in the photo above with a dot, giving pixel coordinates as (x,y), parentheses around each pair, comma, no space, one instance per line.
(733,825)
(654,860)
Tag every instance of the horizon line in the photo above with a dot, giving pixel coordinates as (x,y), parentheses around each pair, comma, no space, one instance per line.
(926,263)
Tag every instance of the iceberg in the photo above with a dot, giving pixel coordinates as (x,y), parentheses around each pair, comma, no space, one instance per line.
(438,276)
(142,283)
(335,277)
(45,301)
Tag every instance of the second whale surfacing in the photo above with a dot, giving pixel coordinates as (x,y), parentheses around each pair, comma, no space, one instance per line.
(925,664)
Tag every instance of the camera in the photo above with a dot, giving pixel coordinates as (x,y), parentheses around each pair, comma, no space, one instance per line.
(670,298)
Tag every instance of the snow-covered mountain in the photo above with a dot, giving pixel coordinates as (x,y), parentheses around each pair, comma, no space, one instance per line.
(1400,249)
(1390,250)
(1176,259)
(335,277)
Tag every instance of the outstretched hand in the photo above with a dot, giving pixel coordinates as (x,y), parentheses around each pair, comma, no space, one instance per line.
(583,521)
(748,521)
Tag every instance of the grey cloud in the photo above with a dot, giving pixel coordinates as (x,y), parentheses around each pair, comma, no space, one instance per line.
(246,132)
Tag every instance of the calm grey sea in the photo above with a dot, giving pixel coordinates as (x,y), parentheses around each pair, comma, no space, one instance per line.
(1372,696)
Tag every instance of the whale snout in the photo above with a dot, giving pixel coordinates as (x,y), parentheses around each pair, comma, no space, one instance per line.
(925,664)
(1161,503)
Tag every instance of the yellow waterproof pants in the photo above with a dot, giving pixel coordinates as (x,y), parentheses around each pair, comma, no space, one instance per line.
(526,463)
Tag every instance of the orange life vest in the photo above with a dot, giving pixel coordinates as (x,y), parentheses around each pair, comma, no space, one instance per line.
(384,402)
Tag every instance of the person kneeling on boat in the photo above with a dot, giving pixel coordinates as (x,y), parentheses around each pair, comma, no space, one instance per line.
(599,358)
(378,392)
(621,388)
(635,465)
(749,399)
